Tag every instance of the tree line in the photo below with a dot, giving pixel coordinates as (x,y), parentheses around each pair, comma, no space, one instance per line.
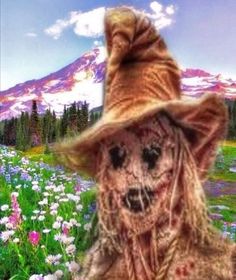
(231,104)
(29,130)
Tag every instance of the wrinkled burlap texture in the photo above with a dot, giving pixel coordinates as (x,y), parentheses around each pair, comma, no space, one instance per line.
(142,79)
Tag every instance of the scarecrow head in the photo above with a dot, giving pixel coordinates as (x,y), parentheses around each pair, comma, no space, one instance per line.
(151,148)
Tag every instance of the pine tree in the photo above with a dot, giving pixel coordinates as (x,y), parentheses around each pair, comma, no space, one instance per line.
(9,132)
(46,126)
(234,120)
(1,132)
(64,123)
(79,116)
(92,118)
(35,127)
(84,115)
(53,127)
(26,128)
(72,120)
(22,132)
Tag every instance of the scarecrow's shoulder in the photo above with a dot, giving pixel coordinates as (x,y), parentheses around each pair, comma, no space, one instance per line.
(233,261)
(217,262)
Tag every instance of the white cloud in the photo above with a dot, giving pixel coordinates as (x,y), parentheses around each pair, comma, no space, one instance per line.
(156,7)
(161,16)
(31,34)
(97,43)
(90,24)
(56,29)
(170,10)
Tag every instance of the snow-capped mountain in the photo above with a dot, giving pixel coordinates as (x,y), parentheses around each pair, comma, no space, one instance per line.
(79,81)
(83,80)
(195,82)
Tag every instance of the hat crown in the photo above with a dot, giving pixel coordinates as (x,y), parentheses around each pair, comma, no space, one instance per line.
(140,68)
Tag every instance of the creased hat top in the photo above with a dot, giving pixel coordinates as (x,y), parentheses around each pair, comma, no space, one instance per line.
(139,65)
(142,79)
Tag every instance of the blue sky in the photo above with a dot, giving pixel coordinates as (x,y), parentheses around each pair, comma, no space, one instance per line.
(41,36)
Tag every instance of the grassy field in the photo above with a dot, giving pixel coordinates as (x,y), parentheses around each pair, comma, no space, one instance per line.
(48,217)
(223,163)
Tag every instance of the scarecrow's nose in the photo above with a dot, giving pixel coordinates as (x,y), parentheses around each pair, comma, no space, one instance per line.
(138,199)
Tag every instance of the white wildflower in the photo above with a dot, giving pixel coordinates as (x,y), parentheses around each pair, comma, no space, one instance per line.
(56,225)
(66,224)
(4,207)
(58,237)
(54,206)
(16,240)
(41,218)
(36,277)
(73,266)
(46,194)
(43,202)
(87,226)
(73,222)
(67,240)
(5,235)
(53,212)
(4,220)
(79,207)
(70,250)
(9,226)
(63,199)
(58,274)
(50,277)
(35,183)
(36,188)
(16,194)
(53,259)
(59,219)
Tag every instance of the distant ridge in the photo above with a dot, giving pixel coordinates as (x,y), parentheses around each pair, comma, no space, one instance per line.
(83,80)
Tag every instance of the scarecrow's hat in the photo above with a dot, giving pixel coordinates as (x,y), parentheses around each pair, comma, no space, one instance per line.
(142,79)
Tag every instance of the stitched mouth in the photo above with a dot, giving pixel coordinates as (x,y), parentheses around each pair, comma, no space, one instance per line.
(138,199)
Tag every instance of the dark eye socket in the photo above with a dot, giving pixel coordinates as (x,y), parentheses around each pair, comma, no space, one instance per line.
(117,156)
(150,155)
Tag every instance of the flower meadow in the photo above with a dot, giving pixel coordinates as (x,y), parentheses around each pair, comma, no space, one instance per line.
(47,219)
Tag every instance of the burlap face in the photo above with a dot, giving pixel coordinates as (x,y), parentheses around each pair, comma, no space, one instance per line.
(136,175)
(150,201)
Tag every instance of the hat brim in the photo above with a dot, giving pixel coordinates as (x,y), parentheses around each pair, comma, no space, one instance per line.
(204,122)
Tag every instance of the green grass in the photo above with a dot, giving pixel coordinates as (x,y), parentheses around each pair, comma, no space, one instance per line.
(221,169)
(226,200)
(229,215)
(20,260)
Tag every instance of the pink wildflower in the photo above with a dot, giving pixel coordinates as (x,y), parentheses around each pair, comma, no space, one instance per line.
(15,218)
(34,237)
(65,230)
(77,188)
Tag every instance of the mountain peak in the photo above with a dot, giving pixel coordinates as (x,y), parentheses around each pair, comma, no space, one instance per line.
(83,80)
